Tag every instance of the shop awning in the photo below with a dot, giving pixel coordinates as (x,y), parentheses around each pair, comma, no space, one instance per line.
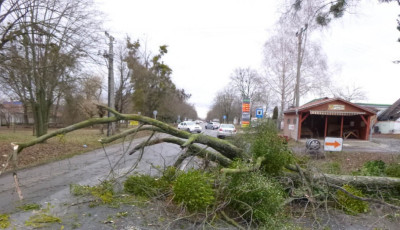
(335,113)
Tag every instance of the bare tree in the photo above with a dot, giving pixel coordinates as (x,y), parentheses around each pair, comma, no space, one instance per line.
(350,93)
(124,86)
(11,14)
(247,82)
(226,103)
(55,35)
(282,67)
(279,67)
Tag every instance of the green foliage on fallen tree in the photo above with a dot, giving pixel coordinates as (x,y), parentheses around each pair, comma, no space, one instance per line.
(194,190)
(256,196)
(349,204)
(393,170)
(273,148)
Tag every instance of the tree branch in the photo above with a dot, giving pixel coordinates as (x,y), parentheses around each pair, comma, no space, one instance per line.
(247,169)
(194,150)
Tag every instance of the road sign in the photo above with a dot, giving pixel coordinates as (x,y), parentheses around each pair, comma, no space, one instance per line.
(259,113)
(333,144)
(224,116)
(133,123)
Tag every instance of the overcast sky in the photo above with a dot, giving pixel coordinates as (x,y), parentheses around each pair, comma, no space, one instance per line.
(208,39)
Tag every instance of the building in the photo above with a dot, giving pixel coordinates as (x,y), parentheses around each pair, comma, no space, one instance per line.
(389,120)
(11,113)
(328,117)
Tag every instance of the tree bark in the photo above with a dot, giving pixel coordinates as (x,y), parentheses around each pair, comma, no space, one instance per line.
(340,180)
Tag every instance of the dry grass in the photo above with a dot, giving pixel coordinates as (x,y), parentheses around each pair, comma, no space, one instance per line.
(56,148)
(352,161)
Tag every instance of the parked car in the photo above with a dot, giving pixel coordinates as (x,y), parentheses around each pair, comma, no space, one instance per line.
(212,125)
(209,125)
(226,130)
(216,125)
(190,126)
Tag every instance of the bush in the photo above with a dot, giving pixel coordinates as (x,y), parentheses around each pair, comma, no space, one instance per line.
(194,190)
(351,206)
(393,170)
(256,196)
(373,168)
(104,191)
(273,148)
(141,185)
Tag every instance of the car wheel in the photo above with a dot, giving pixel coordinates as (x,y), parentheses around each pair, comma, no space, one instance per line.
(198,131)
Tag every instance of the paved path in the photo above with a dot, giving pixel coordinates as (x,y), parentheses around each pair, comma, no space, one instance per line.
(41,182)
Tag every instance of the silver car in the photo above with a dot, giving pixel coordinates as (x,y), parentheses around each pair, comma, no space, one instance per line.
(212,125)
(189,126)
(226,130)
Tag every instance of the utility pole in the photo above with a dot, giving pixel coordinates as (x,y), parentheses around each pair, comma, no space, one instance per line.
(111,87)
(299,36)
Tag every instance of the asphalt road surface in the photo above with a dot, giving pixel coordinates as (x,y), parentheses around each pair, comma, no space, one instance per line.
(50,183)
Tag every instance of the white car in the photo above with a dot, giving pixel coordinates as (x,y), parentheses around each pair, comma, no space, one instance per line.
(189,126)
(226,130)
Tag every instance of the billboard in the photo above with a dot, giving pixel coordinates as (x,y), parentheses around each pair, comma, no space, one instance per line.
(246,113)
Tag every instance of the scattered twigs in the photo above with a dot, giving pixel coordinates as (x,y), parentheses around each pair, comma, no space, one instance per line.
(133,167)
(255,167)
(232,221)
(364,198)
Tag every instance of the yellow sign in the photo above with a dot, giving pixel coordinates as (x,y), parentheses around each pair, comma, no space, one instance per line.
(133,123)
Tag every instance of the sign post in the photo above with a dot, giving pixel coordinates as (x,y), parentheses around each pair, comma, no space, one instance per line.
(333,144)
(246,113)
(224,118)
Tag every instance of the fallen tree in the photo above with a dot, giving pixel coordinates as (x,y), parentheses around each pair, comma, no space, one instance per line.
(224,152)
(219,151)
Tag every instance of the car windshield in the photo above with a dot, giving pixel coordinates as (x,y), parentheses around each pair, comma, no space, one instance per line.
(190,123)
(229,126)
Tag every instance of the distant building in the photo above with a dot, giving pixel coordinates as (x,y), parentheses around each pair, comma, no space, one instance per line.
(329,117)
(389,120)
(11,113)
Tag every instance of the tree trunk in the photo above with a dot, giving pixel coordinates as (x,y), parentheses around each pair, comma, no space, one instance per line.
(41,114)
(26,118)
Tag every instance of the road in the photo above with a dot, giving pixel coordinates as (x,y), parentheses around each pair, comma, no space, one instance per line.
(50,183)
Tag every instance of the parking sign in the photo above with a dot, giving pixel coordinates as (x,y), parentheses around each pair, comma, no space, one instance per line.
(259,113)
